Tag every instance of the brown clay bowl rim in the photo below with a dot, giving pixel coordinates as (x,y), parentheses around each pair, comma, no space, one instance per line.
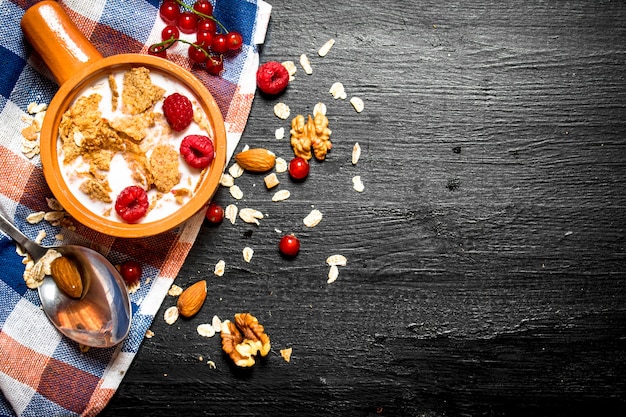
(49,137)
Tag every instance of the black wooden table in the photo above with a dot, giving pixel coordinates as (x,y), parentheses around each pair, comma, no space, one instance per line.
(486,254)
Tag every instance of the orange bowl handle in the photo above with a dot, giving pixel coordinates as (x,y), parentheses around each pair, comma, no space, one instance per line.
(51,32)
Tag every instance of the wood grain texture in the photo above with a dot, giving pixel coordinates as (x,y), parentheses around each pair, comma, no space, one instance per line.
(486,267)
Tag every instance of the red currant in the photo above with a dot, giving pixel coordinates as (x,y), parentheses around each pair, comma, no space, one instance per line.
(157,50)
(289,245)
(298,168)
(219,44)
(170,32)
(197,54)
(207,25)
(169,12)
(187,22)
(215,64)
(214,213)
(234,40)
(204,7)
(204,38)
(131,272)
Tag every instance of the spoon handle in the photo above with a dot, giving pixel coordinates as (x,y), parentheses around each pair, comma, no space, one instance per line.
(35,250)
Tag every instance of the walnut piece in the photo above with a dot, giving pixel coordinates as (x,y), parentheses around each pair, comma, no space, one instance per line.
(244,339)
(313,134)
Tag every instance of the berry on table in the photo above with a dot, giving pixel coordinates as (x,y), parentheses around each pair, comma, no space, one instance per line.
(298,168)
(204,7)
(131,272)
(170,32)
(289,245)
(197,151)
(215,64)
(214,214)
(178,111)
(187,22)
(132,204)
(197,54)
(234,40)
(272,78)
(219,44)
(169,12)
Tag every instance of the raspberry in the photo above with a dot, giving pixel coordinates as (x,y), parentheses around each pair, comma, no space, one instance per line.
(178,111)
(272,78)
(197,151)
(132,204)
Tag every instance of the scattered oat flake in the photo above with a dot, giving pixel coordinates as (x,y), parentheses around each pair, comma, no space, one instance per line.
(326,47)
(281,110)
(306,64)
(134,287)
(171,315)
(35,218)
(54,216)
(175,290)
(236,192)
(338,91)
(357,184)
(211,364)
(220,267)
(59,237)
(313,218)
(319,108)
(281,195)
(216,323)
(247,253)
(280,133)
(337,259)
(235,170)
(205,330)
(40,236)
(357,103)
(291,68)
(230,212)
(149,334)
(280,165)
(356,153)
(54,204)
(333,273)
(250,215)
(227,180)
(286,354)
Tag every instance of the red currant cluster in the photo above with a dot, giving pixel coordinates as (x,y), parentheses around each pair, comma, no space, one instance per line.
(213,40)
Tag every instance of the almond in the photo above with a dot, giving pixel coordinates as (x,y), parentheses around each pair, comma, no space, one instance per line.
(256,160)
(67,277)
(191,300)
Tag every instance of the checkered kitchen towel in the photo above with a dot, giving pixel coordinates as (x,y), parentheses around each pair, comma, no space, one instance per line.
(41,372)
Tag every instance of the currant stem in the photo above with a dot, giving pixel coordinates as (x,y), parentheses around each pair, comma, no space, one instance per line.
(202,15)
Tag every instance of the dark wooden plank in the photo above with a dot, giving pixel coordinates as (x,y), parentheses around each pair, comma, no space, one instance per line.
(486,257)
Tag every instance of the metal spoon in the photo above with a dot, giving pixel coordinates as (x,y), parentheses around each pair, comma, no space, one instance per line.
(101,316)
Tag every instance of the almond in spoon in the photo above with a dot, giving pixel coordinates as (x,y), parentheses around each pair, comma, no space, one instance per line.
(67,277)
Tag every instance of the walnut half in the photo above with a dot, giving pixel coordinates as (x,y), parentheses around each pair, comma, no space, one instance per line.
(313,134)
(244,339)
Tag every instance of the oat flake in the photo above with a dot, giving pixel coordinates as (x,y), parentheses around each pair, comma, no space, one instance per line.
(282,111)
(281,195)
(313,218)
(171,315)
(356,153)
(326,47)
(230,212)
(217,324)
(205,330)
(227,180)
(357,103)
(333,273)
(357,184)
(249,215)
(280,133)
(175,290)
(220,268)
(235,170)
(280,165)
(338,260)
(306,64)
(247,253)
(319,108)
(236,192)
(35,218)
(337,91)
